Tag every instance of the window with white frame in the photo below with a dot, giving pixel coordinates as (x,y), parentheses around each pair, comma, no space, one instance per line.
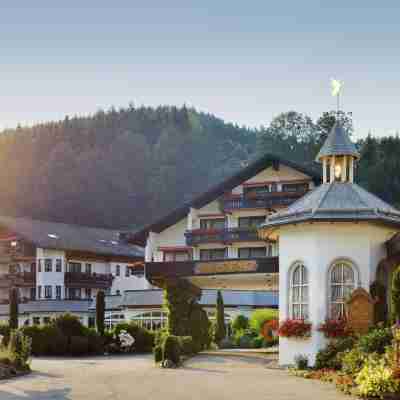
(341,284)
(299,292)
(152,320)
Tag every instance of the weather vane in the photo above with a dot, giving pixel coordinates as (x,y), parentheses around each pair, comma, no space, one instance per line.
(336,86)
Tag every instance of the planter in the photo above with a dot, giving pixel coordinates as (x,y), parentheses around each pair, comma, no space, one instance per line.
(295,329)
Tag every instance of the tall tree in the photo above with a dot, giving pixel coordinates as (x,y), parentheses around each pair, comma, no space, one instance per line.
(220,328)
(100,312)
(13,299)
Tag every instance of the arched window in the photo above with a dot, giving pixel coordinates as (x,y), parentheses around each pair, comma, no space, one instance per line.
(341,283)
(299,292)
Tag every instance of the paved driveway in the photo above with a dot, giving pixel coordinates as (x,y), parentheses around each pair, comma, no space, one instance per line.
(205,377)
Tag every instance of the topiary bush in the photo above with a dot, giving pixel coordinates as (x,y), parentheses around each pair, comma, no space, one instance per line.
(69,325)
(13,299)
(220,328)
(79,346)
(172,349)
(100,312)
(158,354)
(199,328)
(188,347)
(144,339)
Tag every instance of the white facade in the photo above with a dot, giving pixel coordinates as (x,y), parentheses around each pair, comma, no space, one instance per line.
(318,246)
(172,239)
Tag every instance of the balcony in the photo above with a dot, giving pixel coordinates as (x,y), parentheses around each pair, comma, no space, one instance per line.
(18,279)
(265,201)
(86,280)
(227,235)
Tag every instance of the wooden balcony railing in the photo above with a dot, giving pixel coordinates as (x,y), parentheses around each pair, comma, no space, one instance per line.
(19,279)
(227,235)
(267,201)
(93,280)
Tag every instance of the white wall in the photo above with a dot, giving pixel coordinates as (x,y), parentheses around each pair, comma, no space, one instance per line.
(318,246)
(123,283)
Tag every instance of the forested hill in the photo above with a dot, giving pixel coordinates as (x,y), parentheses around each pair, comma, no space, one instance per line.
(124,168)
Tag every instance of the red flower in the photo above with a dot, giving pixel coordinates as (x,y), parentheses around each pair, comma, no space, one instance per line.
(294,328)
(335,328)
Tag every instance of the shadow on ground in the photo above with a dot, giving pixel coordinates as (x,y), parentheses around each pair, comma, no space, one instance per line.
(15,394)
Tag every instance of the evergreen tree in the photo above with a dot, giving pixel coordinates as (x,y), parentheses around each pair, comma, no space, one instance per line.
(100,312)
(396,295)
(220,328)
(13,298)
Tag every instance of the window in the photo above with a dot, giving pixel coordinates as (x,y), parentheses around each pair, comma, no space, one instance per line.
(48,292)
(88,293)
(39,265)
(33,293)
(58,292)
(212,223)
(295,187)
(118,270)
(39,292)
(48,265)
(75,267)
(252,252)
(127,272)
(251,222)
(342,283)
(213,254)
(170,256)
(153,320)
(74,293)
(88,268)
(299,293)
(256,190)
(58,265)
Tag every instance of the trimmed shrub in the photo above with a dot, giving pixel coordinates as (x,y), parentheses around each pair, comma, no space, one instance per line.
(172,349)
(19,348)
(329,357)
(259,317)
(188,346)
(13,298)
(96,342)
(69,325)
(200,328)
(5,332)
(100,312)
(220,328)
(79,345)
(240,323)
(144,339)
(39,340)
(158,354)
(301,361)
(375,341)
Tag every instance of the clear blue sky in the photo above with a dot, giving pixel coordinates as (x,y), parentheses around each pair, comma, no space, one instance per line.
(244,61)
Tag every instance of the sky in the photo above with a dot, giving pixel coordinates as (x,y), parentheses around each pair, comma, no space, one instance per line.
(244,61)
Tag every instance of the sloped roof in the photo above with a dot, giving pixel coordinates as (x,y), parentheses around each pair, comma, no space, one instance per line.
(141,298)
(336,202)
(52,235)
(337,143)
(218,190)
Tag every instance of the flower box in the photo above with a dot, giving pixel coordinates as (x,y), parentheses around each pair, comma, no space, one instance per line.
(335,328)
(295,328)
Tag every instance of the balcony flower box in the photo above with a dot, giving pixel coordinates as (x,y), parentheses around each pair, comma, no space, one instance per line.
(295,328)
(335,328)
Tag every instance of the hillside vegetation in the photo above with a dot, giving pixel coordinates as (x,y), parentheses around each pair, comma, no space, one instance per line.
(125,168)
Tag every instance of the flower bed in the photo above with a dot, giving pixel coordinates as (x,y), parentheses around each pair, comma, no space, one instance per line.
(366,366)
(295,328)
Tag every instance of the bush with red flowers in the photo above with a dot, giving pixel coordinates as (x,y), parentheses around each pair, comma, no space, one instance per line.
(296,328)
(335,328)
